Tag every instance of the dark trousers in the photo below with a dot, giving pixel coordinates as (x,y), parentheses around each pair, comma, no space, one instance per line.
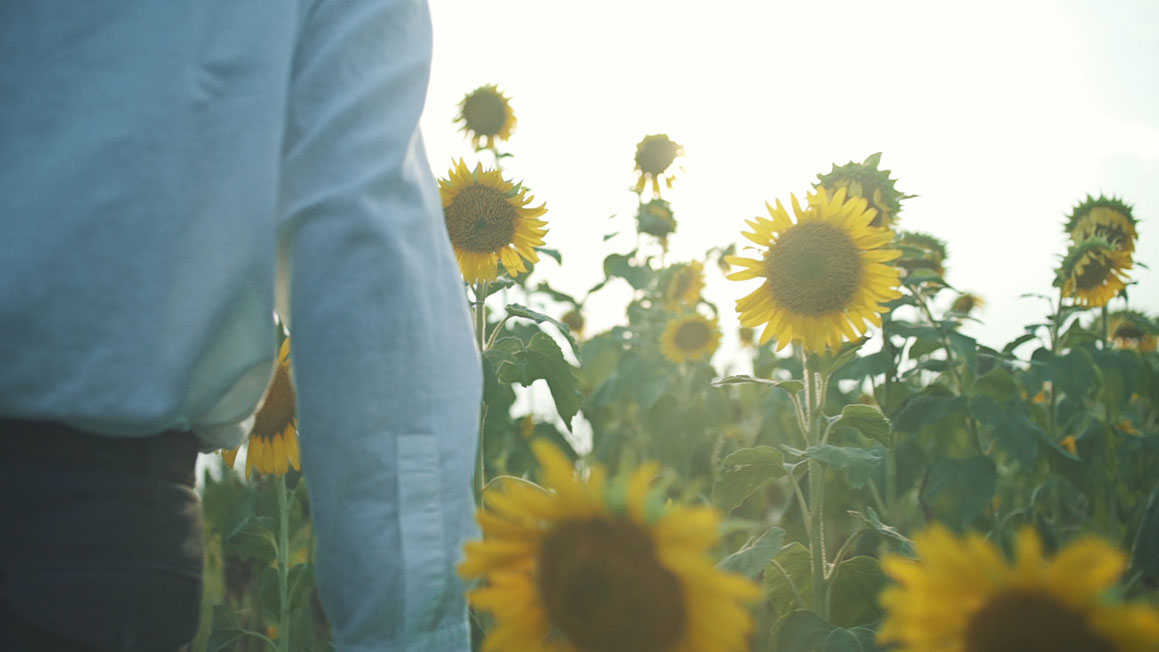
(101,542)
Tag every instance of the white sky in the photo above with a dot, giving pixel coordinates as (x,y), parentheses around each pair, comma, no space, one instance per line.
(1000,115)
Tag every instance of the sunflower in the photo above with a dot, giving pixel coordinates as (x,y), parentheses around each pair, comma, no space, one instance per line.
(683,284)
(1132,330)
(1109,217)
(967,302)
(1094,272)
(489,220)
(574,570)
(825,274)
(273,442)
(486,114)
(921,251)
(690,338)
(963,597)
(654,155)
(656,218)
(866,181)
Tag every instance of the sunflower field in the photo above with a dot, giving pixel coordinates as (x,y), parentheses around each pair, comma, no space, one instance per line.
(879,481)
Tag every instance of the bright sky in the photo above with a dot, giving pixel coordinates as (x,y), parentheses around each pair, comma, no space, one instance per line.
(999,115)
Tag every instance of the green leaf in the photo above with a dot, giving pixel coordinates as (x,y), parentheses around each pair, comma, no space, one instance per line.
(870,517)
(1145,551)
(998,384)
(866,419)
(498,285)
(225,632)
(853,593)
(926,410)
(516,310)
(858,463)
(800,631)
(551,253)
(961,489)
(755,554)
(796,562)
(254,539)
(620,265)
(543,359)
(1013,431)
(744,471)
(790,386)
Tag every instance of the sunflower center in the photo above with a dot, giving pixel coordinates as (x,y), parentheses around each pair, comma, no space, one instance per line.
(277,413)
(814,268)
(654,156)
(485,113)
(481,219)
(1024,621)
(1094,274)
(605,589)
(693,335)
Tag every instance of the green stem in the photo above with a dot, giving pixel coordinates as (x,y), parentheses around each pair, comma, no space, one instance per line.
(815,386)
(1105,327)
(480,479)
(952,365)
(283,566)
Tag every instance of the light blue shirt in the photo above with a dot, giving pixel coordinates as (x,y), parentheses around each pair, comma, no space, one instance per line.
(161,164)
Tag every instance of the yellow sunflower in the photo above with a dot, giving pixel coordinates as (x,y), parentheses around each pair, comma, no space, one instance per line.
(962,596)
(654,156)
(1108,217)
(825,274)
(690,338)
(489,220)
(1094,272)
(1132,330)
(273,442)
(866,181)
(486,114)
(567,571)
(683,285)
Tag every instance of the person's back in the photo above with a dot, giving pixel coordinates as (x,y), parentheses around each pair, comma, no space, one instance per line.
(156,162)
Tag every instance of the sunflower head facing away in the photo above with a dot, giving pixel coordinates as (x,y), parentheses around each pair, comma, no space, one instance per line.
(866,181)
(569,569)
(486,115)
(489,221)
(681,285)
(921,251)
(1093,272)
(967,302)
(654,156)
(656,218)
(1129,329)
(1108,217)
(273,442)
(962,596)
(826,273)
(690,338)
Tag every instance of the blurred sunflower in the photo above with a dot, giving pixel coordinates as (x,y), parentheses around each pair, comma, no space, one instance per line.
(683,284)
(866,181)
(1093,272)
(656,218)
(570,570)
(654,155)
(1132,330)
(273,442)
(967,302)
(963,597)
(1108,217)
(921,251)
(486,114)
(825,274)
(690,338)
(575,321)
(489,220)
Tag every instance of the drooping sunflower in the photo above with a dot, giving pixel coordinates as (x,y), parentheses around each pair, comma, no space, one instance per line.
(273,442)
(1129,329)
(656,218)
(1094,272)
(866,181)
(683,283)
(574,570)
(489,221)
(487,116)
(654,156)
(825,274)
(962,596)
(690,338)
(921,251)
(1108,217)
(967,302)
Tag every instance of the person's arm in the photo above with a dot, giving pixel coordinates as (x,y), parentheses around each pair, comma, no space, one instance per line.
(387,374)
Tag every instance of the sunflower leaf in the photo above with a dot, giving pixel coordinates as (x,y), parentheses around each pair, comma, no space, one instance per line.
(543,359)
(788,582)
(790,386)
(516,310)
(621,265)
(755,554)
(801,631)
(1145,551)
(858,463)
(853,593)
(870,518)
(866,419)
(960,489)
(745,471)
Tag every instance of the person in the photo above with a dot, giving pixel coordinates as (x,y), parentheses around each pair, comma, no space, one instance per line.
(170,172)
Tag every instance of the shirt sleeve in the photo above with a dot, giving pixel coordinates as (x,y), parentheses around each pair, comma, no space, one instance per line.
(387,374)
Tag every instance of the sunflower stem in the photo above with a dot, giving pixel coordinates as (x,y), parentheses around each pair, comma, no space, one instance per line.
(1105,327)
(283,566)
(814,397)
(481,337)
